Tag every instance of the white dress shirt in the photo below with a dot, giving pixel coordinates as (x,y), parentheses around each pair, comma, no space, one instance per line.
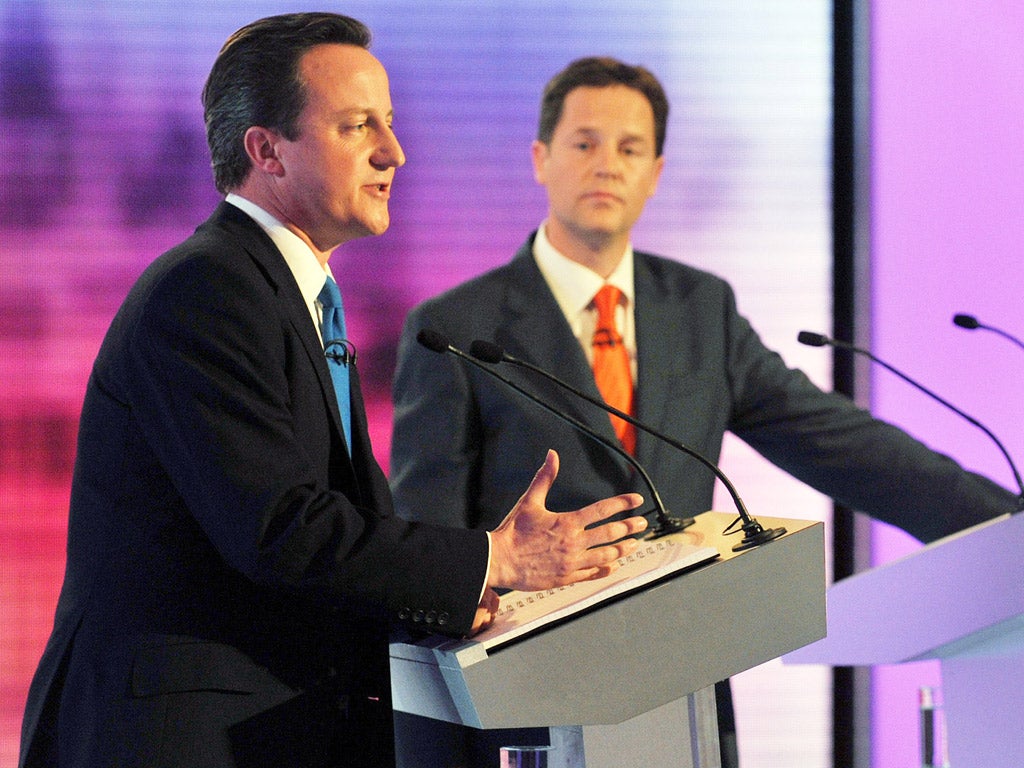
(575,286)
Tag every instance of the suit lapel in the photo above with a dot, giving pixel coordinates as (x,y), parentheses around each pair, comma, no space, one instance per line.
(658,336)
(266,255)
(534,329)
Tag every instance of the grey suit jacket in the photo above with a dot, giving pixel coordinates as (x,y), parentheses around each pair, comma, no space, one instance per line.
(232,572)
(464,445)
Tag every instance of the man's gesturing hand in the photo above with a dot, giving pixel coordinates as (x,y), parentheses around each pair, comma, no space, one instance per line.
(536,549)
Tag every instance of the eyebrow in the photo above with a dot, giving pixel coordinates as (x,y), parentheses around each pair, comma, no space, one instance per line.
(629,137)
(353,111)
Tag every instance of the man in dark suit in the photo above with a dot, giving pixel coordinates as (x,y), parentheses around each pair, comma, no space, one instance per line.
(698,367)
(233,560)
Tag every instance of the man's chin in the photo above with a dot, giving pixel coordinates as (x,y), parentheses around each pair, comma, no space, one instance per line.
(371,228)
(596,231)
(600,222)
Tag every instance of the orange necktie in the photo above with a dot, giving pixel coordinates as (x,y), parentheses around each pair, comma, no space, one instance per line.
(611,364)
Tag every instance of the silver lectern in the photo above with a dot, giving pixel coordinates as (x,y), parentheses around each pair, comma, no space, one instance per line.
(676,637)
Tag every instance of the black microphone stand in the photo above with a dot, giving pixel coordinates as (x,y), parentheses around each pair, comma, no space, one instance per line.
(820,340)
(970,322)
(666,523)
(753,532)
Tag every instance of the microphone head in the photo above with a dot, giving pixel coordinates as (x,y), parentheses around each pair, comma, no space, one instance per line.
(970,322)
(432,340)
(812,339)
(486,352)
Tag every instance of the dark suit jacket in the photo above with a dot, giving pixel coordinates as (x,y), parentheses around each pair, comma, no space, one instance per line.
(464,445)
(231,572)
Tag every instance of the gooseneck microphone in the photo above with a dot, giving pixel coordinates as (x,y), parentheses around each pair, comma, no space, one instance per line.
(970,322)
(812,339)
(753,532)
(666,523)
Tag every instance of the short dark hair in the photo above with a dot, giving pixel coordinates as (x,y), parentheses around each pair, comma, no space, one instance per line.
(601,71)
(255,81)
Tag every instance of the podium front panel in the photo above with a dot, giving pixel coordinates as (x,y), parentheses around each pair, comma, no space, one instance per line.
(639,652)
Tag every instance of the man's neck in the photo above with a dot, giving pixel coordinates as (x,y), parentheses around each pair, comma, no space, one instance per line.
(257,195)
(598,252)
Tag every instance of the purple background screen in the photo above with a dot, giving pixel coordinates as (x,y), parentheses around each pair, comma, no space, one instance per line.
(106,167)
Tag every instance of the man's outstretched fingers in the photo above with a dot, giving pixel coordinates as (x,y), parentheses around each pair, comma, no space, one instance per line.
(544,477)
(606,558)
(605,508)
(611,532)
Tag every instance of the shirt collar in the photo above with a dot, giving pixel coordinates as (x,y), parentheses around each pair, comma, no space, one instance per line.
(573,284)
(303,263)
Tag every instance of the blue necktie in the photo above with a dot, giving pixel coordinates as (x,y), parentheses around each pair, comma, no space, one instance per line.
(336,348)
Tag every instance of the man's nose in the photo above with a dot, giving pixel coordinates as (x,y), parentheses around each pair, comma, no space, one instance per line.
(390,153)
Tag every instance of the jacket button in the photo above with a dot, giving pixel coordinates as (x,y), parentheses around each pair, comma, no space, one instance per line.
(403,613)
(443,618)
(431,617)
(418,617)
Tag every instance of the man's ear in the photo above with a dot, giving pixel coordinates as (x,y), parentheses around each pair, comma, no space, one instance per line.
(261,145)
(539,154)
(659,166)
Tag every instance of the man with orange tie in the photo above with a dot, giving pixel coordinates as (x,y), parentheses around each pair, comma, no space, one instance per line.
(656,338)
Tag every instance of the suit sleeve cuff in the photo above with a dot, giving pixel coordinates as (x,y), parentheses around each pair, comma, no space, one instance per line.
(487,571)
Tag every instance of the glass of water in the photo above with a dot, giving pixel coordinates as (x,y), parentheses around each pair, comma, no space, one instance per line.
(524,757)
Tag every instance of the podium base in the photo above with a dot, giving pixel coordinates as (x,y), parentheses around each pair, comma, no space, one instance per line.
(983,688)
(680,734)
